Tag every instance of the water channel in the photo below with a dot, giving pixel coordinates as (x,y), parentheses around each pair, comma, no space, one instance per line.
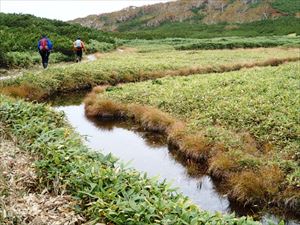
(149,153)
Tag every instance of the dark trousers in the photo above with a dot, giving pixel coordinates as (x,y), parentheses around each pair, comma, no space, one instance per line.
(45,58)
(79,54)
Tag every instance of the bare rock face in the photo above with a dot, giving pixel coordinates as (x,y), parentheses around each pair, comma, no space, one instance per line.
(204,11)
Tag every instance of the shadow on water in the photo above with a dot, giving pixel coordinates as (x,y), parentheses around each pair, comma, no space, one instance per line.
(148,152)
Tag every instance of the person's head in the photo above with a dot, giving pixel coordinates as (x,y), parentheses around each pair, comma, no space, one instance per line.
(78,38)
(44,35)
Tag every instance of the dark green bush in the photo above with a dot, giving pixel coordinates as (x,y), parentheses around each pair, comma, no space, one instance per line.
(96,46)
(287,6)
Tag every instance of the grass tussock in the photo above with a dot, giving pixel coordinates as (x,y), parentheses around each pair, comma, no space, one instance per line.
(221,164)
(195,146)
(104,108)
(25,91)
(257,186)
(155,120)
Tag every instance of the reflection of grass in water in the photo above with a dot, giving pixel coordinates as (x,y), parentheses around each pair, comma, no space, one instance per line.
(68,99)
(153,140)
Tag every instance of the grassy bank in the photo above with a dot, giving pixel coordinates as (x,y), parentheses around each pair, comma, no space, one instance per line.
(140,64)
(243,124)
(107,191)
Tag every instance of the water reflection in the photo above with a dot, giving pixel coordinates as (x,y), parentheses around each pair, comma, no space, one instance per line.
(148,152)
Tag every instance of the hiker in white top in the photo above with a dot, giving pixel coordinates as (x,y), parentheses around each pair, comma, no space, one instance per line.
(78,48)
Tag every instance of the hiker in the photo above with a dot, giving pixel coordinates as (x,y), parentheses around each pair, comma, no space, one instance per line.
(45,46)
(78,47)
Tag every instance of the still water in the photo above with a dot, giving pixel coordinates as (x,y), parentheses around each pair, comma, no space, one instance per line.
(149,153)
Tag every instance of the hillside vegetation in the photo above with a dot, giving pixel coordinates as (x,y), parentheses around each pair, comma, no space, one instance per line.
(200,14)
(281,26)
(290,7)
(19,35)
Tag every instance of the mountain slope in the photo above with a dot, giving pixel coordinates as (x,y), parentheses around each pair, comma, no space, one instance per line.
(192,11)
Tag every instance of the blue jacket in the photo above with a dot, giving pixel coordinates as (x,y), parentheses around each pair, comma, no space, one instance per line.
(49,43)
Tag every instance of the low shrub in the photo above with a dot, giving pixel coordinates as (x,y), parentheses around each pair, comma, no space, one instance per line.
(96,46)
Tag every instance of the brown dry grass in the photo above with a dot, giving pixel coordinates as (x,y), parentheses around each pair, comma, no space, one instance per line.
(221,164)
(26,91)
(154,119)
(196,146)
(257,186)
(104,108)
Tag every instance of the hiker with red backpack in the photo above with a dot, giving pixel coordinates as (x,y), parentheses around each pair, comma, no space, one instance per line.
(45,46)
(78,47)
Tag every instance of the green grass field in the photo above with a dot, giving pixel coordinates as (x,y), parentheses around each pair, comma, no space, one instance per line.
(215,43)
(248,122)
(140,63)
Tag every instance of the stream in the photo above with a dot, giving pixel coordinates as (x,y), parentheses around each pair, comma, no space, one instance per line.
(148,152)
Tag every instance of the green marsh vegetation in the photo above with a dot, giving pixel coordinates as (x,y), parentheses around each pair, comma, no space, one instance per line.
(186,29)
(107,191)
(213,43)
(244,124)
(146,61)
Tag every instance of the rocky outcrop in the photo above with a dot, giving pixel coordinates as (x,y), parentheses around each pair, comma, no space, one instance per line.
(205,11)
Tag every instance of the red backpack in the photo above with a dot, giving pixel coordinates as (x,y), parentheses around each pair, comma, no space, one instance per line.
(44,44)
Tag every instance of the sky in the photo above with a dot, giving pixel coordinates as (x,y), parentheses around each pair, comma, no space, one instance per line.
(68,9)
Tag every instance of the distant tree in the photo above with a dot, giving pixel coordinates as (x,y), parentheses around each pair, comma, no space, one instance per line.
(3,61)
